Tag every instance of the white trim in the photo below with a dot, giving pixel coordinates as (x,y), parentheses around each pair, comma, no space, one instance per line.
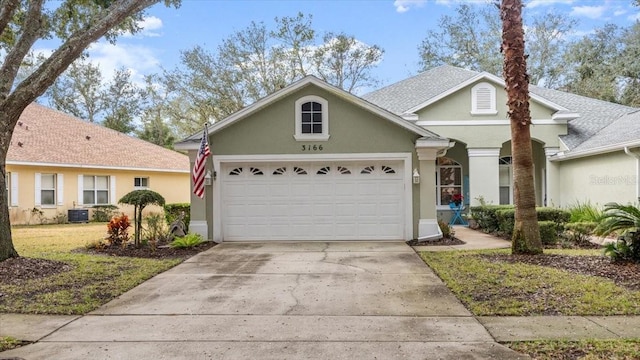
(492,99)
(80,166)
(219,160)
(299,136)
(486,76)
(60,188)
(38,189)
(431,143)
(481,152)
(562,155)
(564,116)
(550,151)
(80,190)
(14,189)
(112,190)
(480,122)
(192,143)
(410,116)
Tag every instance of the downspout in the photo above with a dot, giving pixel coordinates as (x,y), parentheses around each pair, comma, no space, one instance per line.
(637,156)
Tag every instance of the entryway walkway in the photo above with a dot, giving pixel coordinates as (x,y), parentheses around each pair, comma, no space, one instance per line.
(303,300)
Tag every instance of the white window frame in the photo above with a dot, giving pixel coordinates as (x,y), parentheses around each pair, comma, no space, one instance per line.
(439,185)
(506,162)
(13,188)
(109,190)
(483,86)
(299,136)
(141,178)
(39,189)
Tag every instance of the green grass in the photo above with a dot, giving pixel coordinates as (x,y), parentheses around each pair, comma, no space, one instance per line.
(584,350)
(8,343)
(490,289)
(93,280)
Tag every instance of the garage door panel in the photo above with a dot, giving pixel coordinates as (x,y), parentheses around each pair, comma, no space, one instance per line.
(339,204)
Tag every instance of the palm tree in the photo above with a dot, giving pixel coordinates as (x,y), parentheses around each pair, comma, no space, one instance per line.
(526,233)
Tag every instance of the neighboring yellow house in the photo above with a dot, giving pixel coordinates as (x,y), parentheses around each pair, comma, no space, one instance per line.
(57,162)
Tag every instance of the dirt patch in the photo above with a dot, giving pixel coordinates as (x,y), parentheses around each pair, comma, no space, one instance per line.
(623,274)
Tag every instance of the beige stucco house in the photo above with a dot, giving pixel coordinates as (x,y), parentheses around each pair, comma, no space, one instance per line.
(57,162)
(314,162)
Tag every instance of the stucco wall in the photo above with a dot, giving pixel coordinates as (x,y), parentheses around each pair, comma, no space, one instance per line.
(600,179)
(457,106)
(174,187)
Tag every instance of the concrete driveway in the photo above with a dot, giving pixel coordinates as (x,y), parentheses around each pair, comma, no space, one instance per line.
(312,300)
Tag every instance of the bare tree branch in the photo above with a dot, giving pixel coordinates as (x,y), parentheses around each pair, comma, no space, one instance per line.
(32,27)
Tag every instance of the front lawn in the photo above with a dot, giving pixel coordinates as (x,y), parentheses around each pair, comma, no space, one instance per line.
(51,278)
(583,350)
(492,283)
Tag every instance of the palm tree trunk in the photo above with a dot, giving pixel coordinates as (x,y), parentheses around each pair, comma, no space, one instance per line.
(526,234)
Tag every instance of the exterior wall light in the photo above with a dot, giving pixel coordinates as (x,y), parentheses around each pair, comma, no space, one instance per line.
(207,178)
(416,176)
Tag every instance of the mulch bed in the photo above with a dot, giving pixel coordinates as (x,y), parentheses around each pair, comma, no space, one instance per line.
(15,271)
(440,242)
(623,274)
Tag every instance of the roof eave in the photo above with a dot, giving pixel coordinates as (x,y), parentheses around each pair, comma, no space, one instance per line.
(562,156)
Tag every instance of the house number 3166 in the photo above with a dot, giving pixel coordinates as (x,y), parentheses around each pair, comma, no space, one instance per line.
(311,147)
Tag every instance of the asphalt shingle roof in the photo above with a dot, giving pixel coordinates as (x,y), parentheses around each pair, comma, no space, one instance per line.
(625,129)
(44,135)
(594,114)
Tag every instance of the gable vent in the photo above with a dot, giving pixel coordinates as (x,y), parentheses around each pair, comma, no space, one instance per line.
(483,99)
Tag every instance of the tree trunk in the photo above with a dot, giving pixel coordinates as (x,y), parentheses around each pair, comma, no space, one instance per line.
(526,233)
(8,118)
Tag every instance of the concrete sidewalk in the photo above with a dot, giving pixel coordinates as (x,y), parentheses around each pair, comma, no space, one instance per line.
(474,240)
(302,300)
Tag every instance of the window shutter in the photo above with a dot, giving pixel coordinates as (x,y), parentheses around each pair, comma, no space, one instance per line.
(38,193)
(60,189)
(80,189)
(112,190)
(14,189)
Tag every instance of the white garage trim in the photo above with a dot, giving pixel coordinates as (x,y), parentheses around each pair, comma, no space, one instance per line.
(220,160)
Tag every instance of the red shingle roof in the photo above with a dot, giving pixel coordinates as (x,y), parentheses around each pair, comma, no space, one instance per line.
(44,135)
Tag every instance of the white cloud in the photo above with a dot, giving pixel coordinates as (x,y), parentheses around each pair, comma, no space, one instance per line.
(592,12)
(139,60)
(404,5)
(149,26)
(535,3)
(619,12)
(634,17)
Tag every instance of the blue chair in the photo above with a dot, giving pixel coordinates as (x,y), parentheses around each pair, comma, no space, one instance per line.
(457,214)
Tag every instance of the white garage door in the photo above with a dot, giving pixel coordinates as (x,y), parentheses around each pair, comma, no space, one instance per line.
(313,201)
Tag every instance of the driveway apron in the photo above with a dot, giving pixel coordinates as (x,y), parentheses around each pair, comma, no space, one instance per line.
(281,300)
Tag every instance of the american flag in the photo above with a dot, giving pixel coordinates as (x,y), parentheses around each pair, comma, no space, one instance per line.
(199,167)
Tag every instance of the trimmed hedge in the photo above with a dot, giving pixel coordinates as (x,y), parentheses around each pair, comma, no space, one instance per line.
(548,232)
(173,211)
(494,218)
(485,216)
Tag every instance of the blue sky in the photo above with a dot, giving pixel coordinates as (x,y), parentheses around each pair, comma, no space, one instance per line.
(397,26)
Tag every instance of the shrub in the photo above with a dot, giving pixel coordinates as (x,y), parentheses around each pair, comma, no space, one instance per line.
(485,216)
(579,232)
(548,232)
(584,212)
(117,228)
(503,219)
(141,199)
(187,241)
(60,218)
(626,248)
(173,211)
(156,230)
(447,231)
(103,213)
(558,216)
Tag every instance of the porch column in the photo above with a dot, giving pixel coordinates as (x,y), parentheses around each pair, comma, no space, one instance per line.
(552,179)
(484,175)
(428,151)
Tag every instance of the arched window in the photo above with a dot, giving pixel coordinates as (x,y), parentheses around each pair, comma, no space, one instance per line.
(483,99)
(448,180)
(312,119)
